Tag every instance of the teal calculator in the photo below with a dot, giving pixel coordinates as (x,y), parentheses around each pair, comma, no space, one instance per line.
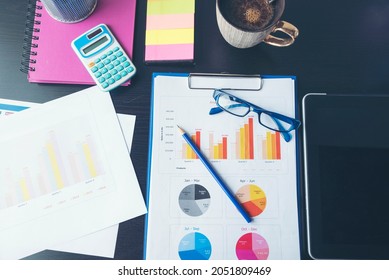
(103,57)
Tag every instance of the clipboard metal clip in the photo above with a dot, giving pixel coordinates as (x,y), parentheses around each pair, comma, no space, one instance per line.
(225,81)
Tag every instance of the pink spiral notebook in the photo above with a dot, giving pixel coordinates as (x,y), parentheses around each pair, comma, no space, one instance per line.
(52,59)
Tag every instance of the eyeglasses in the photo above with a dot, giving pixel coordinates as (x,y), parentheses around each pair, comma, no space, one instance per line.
(240,108)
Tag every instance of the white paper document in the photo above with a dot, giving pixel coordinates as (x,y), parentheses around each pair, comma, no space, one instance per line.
(101,243)
(66,173)
(190,217)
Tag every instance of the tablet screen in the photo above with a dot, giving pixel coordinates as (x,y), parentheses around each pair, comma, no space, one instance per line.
(346,145)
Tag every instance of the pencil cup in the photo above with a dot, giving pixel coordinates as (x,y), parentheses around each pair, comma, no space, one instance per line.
(69,11)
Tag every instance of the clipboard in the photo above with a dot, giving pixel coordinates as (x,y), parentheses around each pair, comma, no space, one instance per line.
(224,81)
(189,217)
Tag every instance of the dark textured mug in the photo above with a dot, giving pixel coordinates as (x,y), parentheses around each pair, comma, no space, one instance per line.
(242,37)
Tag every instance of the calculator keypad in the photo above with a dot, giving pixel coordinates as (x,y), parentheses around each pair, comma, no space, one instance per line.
(111,67)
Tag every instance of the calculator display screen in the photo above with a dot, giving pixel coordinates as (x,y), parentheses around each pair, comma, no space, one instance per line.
(95,45)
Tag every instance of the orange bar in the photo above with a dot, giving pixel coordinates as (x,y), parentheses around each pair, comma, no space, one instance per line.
(251,139)
(278,146)
(224,147)
(273,146)
(220,147)
(198,139)
(193,154)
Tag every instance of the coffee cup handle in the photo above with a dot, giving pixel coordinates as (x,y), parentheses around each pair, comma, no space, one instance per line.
(285,27)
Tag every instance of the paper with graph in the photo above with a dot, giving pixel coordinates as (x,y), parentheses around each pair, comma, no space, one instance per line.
(190,217)
(65,173)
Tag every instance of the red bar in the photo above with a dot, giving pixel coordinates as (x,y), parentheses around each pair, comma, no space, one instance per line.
(224,147)
(197,140)
(251,139)
(278,146)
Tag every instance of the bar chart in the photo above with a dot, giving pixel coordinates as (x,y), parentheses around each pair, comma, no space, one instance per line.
(247,142)
(54,162)
(187,152)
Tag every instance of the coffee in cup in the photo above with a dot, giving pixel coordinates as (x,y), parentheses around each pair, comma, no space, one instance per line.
(246,23)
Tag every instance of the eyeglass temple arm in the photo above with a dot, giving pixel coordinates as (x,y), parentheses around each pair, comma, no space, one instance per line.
(215,110)
(287,136)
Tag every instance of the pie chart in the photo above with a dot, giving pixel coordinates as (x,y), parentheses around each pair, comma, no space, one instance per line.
(195,246)
(194,200)
(252,246)
(252,198)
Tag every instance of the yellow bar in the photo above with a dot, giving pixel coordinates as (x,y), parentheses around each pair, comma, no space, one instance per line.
(54,165)
(161,7)
(188,151)
(247,144)
(89,160)
(237,145)
(170,36)
(269,145)
(23,185)
(216,152)
(242,142)
(192,153)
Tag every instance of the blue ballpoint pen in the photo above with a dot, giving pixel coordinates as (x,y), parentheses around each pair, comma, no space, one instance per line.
(215,175)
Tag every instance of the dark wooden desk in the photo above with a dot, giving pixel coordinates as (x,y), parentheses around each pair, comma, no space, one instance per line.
(342,48)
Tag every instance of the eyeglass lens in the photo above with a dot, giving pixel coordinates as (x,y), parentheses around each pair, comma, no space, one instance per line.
(230,105)
(274,123)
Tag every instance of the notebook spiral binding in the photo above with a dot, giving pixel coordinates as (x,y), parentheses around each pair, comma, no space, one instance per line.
(31,36)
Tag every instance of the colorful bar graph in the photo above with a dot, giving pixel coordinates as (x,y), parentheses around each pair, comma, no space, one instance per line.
(249,142)
(245,141)
(187,152)
(271,146)
(49,171)
(218,150)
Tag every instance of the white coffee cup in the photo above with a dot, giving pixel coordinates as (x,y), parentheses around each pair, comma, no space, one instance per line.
(240,38)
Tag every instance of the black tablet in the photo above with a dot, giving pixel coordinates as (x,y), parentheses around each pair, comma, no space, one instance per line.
(346,162)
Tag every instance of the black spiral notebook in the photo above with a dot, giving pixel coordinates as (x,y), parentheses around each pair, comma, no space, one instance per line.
(47,53)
